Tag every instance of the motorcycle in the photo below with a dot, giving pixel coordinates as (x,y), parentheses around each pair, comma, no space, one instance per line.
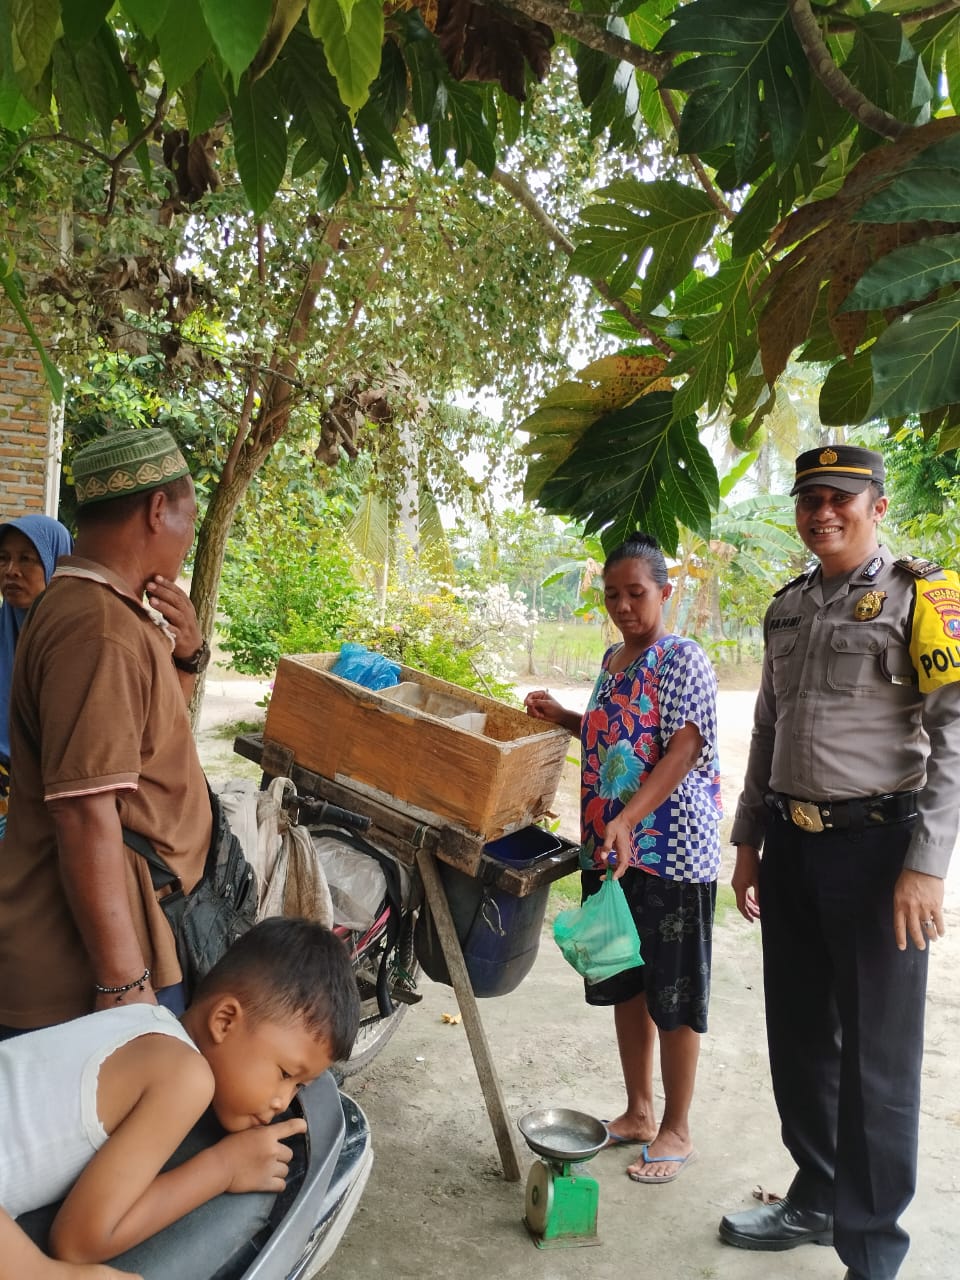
(291,1236)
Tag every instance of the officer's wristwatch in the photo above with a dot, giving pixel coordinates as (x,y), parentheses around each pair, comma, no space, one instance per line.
(196,663)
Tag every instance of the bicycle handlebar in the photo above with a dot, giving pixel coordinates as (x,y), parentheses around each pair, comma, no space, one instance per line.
(310,810)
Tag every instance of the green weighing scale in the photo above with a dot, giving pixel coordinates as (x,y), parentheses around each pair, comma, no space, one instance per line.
(561,1199)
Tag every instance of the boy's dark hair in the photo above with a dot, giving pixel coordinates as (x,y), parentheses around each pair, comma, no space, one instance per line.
(288,968)
(641,546)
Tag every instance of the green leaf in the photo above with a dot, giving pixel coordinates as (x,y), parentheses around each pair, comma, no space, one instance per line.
(148,15)
(129,103)
(885,68)
(10,286)
(927,188)
(719,322)
(15,110)
(916,361)
(260,140)
(237,29)
(846,392)
(751,77)
(35,27)
(204,100)
(907,274)
(346,8)
(82,18)
(656,229)
(312,100)
(185,42)
(94,87)
(472,134)
(353,47)
(638,467)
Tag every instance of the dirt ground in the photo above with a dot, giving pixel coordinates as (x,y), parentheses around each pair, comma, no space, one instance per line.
(437,1204)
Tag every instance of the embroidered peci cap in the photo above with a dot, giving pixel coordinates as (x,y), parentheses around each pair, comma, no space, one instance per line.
(126,462)
(839,466)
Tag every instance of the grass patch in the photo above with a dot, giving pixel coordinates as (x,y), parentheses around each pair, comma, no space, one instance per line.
(234,728)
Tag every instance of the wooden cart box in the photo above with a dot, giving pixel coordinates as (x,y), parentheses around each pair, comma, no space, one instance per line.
(420,743)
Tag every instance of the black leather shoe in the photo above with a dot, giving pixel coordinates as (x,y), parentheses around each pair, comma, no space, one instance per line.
(776,1226)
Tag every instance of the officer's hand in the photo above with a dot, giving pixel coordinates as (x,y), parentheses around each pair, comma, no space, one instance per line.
(746,875)
(917,909)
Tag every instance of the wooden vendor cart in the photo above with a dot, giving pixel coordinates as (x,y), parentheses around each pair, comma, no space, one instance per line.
(440,772)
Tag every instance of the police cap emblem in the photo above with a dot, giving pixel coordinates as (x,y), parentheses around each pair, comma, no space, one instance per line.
(827,458)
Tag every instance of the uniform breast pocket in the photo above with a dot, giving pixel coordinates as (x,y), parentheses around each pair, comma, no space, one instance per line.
(855,660)
(780,648)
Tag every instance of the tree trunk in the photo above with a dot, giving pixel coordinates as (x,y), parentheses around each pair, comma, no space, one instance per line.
(208,563)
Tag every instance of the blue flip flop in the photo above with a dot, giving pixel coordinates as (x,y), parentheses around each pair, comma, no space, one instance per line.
(617,1139)
(651,1179)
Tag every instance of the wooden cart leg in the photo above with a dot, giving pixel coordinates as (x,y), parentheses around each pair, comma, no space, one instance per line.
(477,1037)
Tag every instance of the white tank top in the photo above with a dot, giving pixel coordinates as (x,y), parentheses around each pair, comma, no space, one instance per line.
(49,1126)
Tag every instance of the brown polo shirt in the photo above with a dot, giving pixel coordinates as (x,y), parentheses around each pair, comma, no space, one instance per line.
(96,705)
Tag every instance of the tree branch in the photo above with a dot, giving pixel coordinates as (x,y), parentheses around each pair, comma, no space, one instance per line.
(524,196)
(839,87)
(716,199)
(556,15)
(160,110)
(369,284)
(843,26)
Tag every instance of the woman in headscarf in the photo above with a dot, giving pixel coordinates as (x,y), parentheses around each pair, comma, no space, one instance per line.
(29,549)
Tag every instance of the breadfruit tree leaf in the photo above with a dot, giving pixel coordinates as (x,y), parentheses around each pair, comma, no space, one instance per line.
(654,229)
(846,392)
(750,77)
(908,274)
(637,467)
(928,186)
(916,361)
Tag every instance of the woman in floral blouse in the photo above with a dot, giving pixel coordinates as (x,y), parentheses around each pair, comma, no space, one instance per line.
(650,805)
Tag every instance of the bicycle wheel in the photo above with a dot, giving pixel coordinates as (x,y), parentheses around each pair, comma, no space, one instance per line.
(375,1029)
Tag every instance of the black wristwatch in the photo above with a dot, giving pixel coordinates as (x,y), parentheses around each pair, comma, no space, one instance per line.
(196,663)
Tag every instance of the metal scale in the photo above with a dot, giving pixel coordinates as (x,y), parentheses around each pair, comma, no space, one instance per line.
(562,1199)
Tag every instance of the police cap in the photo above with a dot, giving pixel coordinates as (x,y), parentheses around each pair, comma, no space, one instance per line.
(839,466)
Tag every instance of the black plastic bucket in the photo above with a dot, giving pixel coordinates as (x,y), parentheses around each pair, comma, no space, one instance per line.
(498,932)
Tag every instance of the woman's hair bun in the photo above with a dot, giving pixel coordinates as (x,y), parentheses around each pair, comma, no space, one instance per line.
(640,539)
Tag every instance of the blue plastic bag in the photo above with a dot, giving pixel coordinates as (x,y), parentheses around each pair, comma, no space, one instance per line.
(600,937)
(359,664)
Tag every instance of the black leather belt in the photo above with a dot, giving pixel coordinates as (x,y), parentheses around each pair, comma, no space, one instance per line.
(814,816)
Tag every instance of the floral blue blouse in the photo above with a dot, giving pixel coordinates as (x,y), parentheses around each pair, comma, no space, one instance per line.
(629,721)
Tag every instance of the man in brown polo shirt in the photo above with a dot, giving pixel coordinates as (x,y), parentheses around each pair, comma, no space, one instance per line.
(101,739)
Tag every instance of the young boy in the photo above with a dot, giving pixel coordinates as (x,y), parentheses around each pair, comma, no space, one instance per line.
(99,1104)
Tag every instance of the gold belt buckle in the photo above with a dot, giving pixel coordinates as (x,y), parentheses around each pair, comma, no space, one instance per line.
(806,816)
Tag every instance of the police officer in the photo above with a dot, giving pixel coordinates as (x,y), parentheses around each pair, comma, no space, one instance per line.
(851,792)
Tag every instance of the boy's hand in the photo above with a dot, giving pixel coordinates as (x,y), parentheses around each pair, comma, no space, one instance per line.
(257,1159)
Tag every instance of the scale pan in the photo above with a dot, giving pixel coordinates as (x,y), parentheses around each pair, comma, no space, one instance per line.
(561,1134)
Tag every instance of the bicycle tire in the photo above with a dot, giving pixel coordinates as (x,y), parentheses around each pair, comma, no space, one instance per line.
(376,1030)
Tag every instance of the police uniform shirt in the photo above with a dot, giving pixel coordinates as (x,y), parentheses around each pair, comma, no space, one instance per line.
(860,696)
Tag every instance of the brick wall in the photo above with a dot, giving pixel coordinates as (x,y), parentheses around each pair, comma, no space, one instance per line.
(30,426)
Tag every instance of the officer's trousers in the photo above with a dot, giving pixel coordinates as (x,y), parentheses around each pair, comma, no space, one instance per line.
(845,1032)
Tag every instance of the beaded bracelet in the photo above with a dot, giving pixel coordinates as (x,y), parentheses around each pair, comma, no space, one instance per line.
(139,983)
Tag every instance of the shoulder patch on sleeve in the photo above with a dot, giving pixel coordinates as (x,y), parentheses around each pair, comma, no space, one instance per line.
(935,635)
(918,567)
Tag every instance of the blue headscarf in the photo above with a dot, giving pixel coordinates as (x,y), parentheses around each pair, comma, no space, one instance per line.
(51,540)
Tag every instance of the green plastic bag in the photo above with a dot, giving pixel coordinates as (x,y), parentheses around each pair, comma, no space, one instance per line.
(599,938)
